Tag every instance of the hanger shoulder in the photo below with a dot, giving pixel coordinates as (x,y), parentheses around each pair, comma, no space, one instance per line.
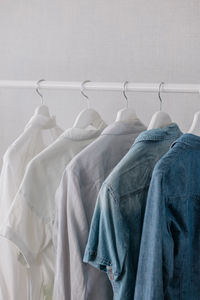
(126,115)
(88,117)
(195,127)
(43,110)
(159,120)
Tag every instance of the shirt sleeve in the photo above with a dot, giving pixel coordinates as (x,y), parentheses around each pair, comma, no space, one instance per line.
(11,176)
(156,252)
(23,227)
(107,243)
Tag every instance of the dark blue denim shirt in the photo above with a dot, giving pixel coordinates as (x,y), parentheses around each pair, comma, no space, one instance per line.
(115,232)
(169,263)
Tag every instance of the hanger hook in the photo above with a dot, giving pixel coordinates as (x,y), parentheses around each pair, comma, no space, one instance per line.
(38,92)
(124,92)
(82,91)
(159,94)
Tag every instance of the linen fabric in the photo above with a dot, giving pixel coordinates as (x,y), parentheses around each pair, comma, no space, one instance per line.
(40,132)
(30,220)
(115,233)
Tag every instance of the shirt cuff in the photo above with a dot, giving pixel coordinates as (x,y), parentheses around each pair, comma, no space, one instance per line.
(24,255)
(100,263)
(93,259)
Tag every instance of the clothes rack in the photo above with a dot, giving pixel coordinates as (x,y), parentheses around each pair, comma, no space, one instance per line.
(104,86)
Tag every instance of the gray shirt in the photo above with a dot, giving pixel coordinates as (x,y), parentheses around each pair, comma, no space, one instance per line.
(76,199)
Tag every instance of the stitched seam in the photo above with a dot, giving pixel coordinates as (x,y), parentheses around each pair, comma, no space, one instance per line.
(100,260)
(93,254)
(161,138)
(136,192)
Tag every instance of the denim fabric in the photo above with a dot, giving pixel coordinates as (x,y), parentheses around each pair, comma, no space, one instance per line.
(115,232)
(169,263)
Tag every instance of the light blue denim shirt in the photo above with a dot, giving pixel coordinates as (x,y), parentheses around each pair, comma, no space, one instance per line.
(169,263)
(115,232)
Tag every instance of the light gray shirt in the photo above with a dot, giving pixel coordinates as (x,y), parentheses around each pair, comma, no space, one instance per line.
(76,199)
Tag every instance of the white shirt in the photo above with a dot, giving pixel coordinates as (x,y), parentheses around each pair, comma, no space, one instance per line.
(29,224)
(76,199)
(40,132)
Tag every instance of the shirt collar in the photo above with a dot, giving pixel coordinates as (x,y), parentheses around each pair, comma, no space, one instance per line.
(84,133)
(41,121)
(169,132)
(189,139)
(119,128)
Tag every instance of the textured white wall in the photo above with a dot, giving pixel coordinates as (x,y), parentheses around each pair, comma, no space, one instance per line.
(133,40)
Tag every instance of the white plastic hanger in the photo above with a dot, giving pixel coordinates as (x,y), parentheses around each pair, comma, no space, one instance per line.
(88,116)
(42,109)
(160,119)
(195,127)
(126,114)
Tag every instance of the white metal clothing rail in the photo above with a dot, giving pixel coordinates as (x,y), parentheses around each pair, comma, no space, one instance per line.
(104,86)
